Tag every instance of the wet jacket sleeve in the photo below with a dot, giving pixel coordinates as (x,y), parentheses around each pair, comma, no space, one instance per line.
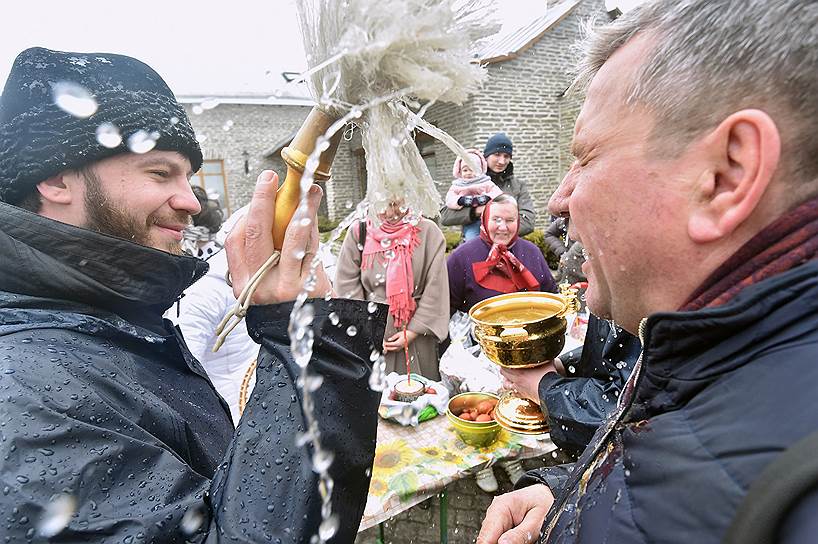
(77,467)
(554,477)
(267,489)
(576,407)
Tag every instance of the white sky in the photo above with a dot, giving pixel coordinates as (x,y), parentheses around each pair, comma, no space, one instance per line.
(204,47)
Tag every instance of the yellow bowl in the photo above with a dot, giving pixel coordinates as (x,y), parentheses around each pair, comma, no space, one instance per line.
(473,433)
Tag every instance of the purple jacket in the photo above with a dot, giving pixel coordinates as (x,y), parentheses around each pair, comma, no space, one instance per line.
(465,292)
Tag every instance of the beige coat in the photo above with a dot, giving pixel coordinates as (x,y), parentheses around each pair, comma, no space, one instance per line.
(431,318)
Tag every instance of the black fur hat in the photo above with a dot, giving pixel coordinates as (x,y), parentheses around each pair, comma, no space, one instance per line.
(62,111)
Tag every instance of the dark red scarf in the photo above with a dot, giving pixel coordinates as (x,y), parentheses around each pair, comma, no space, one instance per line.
(502,271)
(787,242)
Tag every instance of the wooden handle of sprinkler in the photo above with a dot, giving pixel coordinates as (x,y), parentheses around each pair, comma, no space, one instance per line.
(295,156)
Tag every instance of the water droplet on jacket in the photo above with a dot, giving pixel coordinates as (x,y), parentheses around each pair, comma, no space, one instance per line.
(372,307)
(334,319)
(352,330)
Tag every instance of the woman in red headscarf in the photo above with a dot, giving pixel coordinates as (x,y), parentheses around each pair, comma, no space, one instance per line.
(400,261)
(498,262)
(495,263)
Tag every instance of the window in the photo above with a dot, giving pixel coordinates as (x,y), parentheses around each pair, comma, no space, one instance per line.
(212,179)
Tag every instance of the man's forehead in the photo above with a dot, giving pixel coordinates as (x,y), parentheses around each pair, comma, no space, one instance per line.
(606,95)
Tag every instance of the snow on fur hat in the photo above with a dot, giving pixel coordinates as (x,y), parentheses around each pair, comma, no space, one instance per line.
(481,160)
(120,100)
(499,143)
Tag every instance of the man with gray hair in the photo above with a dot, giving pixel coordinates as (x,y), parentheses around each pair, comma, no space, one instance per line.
(698,118)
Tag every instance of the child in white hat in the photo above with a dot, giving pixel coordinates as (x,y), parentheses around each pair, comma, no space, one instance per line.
(471,189)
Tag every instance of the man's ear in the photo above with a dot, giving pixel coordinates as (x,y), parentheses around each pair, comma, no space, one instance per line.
(744,151)
(55,190)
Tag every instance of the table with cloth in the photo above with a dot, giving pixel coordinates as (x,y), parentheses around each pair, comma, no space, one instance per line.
(414,463)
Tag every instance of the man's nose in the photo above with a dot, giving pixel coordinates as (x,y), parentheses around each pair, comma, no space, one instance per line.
(558,203)
(184,200)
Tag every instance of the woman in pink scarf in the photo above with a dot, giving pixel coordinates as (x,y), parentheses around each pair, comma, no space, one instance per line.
(401,262)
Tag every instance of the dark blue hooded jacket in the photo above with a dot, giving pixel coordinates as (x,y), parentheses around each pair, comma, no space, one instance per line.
(102,403)
(578,403)
(720,393)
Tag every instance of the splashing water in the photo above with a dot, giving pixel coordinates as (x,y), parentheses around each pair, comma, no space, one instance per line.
(428,61)
(108,135)
(193,520)
(56,516)
(74,99)
(142,141)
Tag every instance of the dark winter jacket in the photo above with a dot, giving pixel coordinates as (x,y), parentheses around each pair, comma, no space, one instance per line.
(465,292)
(720,393)
(103,403)
(508,184)
(580,401)
(555,235)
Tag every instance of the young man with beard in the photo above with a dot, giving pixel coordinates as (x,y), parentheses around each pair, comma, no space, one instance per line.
(695,193)
(111,429)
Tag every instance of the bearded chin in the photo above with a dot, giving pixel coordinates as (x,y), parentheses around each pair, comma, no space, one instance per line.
(106,217)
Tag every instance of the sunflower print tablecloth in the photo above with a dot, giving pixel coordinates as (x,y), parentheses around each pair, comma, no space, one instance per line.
(413,463)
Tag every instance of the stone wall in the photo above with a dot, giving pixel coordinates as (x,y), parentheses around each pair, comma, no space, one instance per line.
(523,97)
(228,131)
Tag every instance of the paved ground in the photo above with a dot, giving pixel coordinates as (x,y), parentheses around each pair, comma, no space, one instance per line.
(467,505)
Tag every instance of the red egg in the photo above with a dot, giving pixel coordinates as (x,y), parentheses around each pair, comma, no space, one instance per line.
(485,407)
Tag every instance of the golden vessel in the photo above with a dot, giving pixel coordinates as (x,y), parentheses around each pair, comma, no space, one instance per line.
(523,330)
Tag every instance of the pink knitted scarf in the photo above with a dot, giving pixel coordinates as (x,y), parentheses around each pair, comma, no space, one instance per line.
(393,245)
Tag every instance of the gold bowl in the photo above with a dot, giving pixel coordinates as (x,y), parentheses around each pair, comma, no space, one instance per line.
(522,330)
(521,415)
(473,433)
